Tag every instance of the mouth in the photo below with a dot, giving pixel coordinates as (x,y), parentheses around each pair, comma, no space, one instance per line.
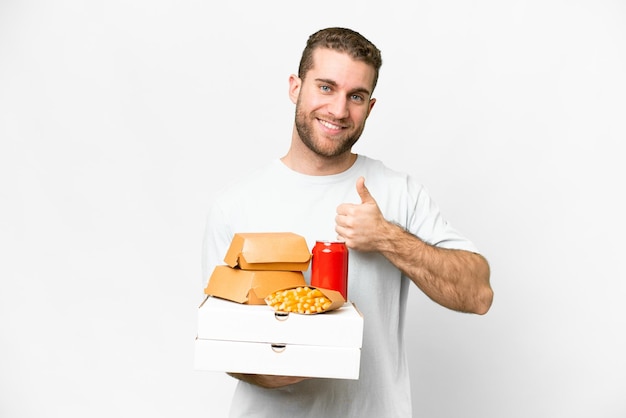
(330,126)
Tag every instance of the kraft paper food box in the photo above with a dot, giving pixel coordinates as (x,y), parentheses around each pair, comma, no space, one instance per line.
(250,286)
(284,251)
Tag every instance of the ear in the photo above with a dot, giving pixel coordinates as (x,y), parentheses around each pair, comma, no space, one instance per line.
(294,87)
(371,105)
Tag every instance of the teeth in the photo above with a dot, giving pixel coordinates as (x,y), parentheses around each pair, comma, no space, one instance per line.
(329,125)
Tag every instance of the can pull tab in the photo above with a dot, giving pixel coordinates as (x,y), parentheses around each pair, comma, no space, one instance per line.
(281,316)
(279,348)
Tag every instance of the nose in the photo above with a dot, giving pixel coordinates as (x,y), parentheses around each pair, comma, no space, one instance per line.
(338,107)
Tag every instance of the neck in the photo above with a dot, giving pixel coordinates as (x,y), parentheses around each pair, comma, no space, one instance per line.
(301,159)
(319,166)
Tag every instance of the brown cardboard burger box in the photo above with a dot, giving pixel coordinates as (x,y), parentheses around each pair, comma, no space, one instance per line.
(238,338)
(250,286)
(283,251)
(259,263)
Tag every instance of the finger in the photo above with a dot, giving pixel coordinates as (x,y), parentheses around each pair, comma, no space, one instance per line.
(363,192)
(342,209)
(338,230)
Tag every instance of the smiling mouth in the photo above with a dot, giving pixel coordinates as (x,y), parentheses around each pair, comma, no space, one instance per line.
(330,125)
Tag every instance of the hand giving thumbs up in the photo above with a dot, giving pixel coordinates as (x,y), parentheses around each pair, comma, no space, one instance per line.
(361,226)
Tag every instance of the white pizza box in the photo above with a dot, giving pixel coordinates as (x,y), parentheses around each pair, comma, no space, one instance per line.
(225,320)
(277,359)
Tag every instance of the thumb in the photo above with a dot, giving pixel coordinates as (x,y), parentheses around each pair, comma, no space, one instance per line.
(365,195)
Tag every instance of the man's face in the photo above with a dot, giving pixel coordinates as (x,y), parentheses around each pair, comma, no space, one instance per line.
(332,102)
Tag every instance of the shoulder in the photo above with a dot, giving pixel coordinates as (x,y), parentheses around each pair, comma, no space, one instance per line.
(378,173)
(379,168)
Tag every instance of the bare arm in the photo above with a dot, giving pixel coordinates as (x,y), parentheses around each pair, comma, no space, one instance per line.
(456,279)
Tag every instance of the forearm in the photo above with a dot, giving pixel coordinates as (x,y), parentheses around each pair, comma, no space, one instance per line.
(456,279)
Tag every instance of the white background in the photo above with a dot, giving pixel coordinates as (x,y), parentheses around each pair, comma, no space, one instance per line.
(120,119)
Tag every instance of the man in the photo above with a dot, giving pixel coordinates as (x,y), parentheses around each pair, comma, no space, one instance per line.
(394,231)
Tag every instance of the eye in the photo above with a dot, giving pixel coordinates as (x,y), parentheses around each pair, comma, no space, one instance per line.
(357,98)
(325,88)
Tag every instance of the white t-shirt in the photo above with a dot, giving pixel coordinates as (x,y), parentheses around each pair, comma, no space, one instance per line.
(278,199)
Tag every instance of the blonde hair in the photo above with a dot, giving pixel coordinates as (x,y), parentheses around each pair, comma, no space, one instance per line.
(341,40)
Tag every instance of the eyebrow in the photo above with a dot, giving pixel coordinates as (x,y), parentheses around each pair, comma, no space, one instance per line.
(333,83)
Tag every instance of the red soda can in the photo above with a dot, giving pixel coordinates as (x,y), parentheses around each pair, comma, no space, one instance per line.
(329,266)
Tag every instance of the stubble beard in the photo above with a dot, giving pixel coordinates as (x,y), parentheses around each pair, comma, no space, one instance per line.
(304,127)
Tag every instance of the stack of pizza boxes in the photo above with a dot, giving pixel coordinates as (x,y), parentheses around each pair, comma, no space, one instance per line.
(239,333)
